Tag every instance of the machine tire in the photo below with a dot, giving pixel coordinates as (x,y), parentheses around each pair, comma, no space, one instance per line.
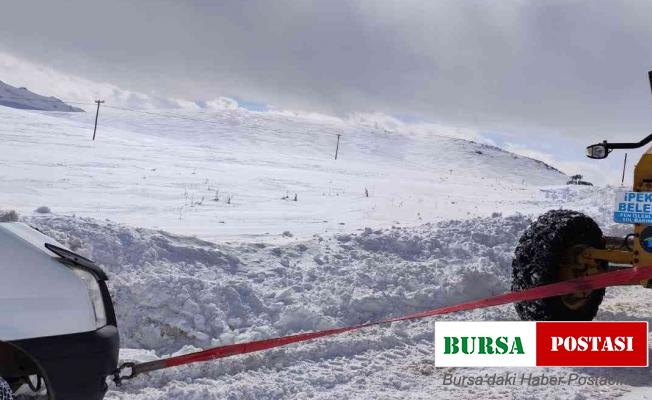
(5,391)
(537,262)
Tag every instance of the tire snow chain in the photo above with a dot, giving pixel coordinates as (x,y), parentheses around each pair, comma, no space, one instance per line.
(628,276)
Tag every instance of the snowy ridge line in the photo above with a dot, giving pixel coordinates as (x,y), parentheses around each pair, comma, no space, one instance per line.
(24,99)
(599,281)
(46,101)
(168,114)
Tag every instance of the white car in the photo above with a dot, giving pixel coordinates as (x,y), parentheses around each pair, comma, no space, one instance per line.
(56,317)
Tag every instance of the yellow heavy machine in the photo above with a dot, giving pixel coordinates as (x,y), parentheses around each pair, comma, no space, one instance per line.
(565,244)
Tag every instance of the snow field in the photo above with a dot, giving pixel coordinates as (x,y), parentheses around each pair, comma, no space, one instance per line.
(178,174)
(188,271)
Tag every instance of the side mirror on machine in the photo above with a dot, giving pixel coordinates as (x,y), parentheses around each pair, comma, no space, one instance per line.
(602,150)
(597,151)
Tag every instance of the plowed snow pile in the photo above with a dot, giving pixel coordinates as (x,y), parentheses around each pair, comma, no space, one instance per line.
(172,291)
(177,294)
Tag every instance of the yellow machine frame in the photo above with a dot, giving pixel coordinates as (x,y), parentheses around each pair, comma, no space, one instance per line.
(618,252)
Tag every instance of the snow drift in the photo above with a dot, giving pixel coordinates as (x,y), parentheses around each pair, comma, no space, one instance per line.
(173,291)
(175,294)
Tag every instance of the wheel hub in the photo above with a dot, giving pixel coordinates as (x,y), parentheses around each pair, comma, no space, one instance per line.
(571,268)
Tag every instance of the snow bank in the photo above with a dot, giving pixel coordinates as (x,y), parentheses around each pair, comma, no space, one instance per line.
(175,294)
(174,291)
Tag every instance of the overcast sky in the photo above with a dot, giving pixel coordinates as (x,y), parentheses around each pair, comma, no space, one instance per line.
(535,68)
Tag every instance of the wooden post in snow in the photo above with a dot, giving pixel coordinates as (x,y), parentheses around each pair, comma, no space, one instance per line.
(337,146)
(97,114)
(622,181)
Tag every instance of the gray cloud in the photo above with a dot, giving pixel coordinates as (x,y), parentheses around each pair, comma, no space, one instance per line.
(568,67)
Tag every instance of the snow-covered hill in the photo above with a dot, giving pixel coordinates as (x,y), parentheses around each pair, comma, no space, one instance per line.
(22,98)
(234,174)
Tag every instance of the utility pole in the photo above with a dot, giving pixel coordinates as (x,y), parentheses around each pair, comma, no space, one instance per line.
(622,181)
(337,146)
(97,114)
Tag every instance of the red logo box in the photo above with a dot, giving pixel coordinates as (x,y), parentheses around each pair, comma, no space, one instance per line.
(592,344)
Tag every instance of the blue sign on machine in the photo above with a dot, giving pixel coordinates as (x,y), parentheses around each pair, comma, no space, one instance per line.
(633,208)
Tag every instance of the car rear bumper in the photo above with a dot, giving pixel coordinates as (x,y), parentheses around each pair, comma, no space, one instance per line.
(76,365)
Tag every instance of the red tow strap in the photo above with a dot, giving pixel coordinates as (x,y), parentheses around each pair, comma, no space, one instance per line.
(626,276)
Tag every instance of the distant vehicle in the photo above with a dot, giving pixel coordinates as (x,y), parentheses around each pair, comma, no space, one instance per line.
(57,323)
(577,180)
